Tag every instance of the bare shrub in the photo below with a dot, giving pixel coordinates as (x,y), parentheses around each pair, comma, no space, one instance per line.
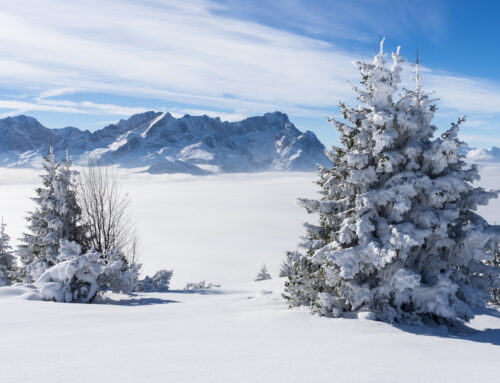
(106,212)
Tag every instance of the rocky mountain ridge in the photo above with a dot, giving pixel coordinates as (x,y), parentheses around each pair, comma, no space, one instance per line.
(164,144)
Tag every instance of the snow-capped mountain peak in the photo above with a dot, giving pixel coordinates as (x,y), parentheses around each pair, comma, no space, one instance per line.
(165,144)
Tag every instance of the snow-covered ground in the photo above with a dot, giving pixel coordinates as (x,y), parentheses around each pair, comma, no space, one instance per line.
(221,229)
(244,333)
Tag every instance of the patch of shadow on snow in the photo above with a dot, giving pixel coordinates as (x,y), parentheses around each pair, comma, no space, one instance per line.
(202,291)
(134,301)
(460,331)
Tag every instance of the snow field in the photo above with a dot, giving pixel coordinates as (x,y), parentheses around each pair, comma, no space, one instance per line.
(244,333)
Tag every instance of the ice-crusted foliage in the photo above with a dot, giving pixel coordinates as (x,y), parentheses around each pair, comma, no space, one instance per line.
(71,228)
(56,217)
(7,260)
(74,278)
(79,277)
(202,285)
(397,234)
(160,281)
(263,274)
(118,274)
(39,247)
(286,268)
(495,261)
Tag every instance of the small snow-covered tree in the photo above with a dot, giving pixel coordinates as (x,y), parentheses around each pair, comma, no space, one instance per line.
(263,274)
(7,260)
(160,281)
(398,235)
(56,217)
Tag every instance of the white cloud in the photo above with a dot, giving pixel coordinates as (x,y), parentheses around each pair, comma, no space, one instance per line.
(184,52)
(466,94)
(56,92)
(64,106)
(176,50)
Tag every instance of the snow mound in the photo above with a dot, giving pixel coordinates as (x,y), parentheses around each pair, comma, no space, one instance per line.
(20,291)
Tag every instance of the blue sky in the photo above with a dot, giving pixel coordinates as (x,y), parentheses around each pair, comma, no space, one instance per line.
(90,63)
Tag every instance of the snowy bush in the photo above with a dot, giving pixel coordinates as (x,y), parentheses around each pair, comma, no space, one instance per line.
(74,279)
(79,277)
(200,285)
(158,282)
(398,237)
(263,274)
(118,274)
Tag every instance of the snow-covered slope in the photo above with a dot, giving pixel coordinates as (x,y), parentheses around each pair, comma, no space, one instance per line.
(165,144)
(242,333)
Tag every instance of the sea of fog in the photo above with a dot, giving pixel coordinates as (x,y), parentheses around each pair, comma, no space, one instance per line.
(219,228)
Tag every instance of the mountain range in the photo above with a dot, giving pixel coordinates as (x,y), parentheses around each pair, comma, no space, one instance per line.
(161,143)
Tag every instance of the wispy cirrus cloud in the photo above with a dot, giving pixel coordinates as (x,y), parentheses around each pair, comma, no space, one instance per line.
(66,106)
(168,49)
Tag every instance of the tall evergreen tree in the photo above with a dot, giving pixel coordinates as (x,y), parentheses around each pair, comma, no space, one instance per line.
(56,217)
(397,235)
(7,260)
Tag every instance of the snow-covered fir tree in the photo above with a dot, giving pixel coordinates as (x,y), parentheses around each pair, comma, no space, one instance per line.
(55,217)
(263,274)
(286,268)
(397,235)
(39,247)
(71,228)
(7,260)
